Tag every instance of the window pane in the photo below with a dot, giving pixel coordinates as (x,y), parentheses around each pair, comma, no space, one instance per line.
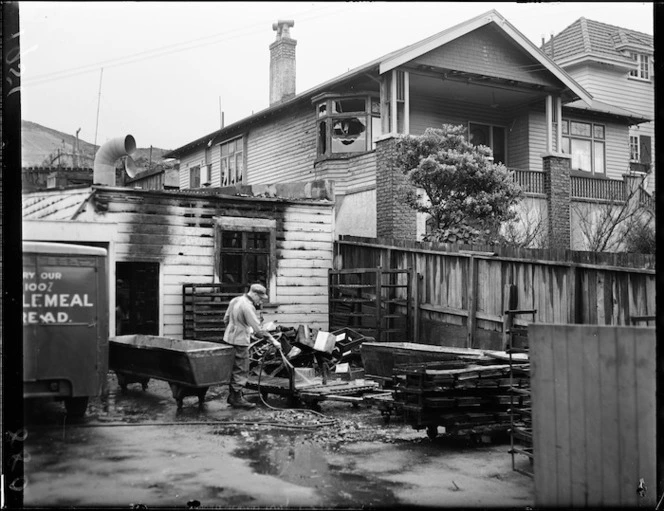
(349,105)
(322,137)
(599,157)
(231,169)
(375,106)
(634,148)
(498,145)
(239,164)
(598,131)
(257,240)
(225,180)
(322,109)
(581,129)
(376,131)
(231,239)
(256,268)
(349,135)
(195,177)
(231,268)
(580,150)
(565,148)
(224,149)
(231,148)
(565,128)
(479,134)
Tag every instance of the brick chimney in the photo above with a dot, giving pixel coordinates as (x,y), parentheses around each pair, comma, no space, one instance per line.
(282,63)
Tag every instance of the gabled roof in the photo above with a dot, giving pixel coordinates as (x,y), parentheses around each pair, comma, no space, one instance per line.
(444,37)
(393,60)
(588,39)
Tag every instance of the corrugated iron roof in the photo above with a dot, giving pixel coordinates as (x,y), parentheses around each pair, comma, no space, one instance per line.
(587,37)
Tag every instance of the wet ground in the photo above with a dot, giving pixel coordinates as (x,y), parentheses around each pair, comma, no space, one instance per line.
(137,448)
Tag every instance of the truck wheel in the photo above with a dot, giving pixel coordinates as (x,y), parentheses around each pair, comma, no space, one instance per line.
(76,406)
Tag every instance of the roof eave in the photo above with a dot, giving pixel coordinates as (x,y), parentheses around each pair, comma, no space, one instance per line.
(464,28)
(595,58)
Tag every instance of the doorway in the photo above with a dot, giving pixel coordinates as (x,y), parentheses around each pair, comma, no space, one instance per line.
(137,298)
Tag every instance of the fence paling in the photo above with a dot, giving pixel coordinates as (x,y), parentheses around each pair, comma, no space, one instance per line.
(561,291)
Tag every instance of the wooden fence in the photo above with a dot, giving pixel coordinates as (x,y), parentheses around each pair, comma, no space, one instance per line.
(461,295)
(593,412)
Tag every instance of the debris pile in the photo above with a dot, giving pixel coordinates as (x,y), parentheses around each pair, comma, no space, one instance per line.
(463,396)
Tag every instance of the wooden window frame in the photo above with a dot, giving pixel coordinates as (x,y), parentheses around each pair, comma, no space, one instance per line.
(248,225)
(643,71)
(594,141)
(232,179)
(491,135)
(195,176)
(325,122)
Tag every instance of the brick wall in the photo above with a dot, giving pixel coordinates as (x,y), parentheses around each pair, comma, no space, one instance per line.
(557,186)
(394,218)
(282,70)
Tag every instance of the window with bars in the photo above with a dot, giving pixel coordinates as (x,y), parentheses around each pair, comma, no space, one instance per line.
(232,162)
(347,125)
(585,142)
(245,252)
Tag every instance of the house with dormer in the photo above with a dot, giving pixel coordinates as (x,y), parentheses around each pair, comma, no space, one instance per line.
(482,73)
(616,66)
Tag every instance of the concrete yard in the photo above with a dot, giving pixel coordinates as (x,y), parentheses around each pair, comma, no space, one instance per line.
(138,448)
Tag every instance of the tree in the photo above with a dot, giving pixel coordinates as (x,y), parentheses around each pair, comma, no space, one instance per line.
(615,225)
(467,195)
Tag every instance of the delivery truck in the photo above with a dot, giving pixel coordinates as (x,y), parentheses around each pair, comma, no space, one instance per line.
(65,323)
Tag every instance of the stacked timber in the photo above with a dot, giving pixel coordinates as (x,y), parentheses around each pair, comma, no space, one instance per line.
(463,396)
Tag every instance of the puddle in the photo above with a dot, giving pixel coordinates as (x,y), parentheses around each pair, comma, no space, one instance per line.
(297,460)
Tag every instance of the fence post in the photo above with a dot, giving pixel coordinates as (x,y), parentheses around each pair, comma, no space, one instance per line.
(472,300)
(379,324)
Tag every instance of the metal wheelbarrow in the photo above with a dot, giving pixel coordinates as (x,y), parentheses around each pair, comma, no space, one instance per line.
(190,367)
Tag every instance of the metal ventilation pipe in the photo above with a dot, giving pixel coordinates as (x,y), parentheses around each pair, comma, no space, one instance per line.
(104,166)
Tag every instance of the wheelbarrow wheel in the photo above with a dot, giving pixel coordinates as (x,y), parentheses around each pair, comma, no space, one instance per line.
(432,432)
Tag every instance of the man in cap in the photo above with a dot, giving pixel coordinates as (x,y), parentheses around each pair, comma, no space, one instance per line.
(240,319)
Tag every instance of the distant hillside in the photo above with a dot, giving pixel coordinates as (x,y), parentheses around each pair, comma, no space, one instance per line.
(46,147)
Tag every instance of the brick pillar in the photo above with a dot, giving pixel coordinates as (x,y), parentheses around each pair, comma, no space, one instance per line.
(557,187)
(394,218)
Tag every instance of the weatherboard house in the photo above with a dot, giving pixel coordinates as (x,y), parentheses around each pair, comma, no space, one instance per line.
(483,73)
(177,257)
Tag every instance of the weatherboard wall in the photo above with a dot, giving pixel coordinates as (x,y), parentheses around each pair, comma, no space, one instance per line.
(176,231)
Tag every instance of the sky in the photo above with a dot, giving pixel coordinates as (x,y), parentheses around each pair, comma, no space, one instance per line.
(164,71)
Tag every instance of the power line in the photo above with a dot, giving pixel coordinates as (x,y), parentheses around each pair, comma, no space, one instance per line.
(160,51)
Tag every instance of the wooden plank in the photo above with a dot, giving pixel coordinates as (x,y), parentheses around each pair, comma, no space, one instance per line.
(577,413)
(562,415)
(472,301)
(627,396)
(609,418)
(645,425)
(589,361)
(544,410)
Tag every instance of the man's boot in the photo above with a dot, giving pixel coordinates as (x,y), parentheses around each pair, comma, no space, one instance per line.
(237,400)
